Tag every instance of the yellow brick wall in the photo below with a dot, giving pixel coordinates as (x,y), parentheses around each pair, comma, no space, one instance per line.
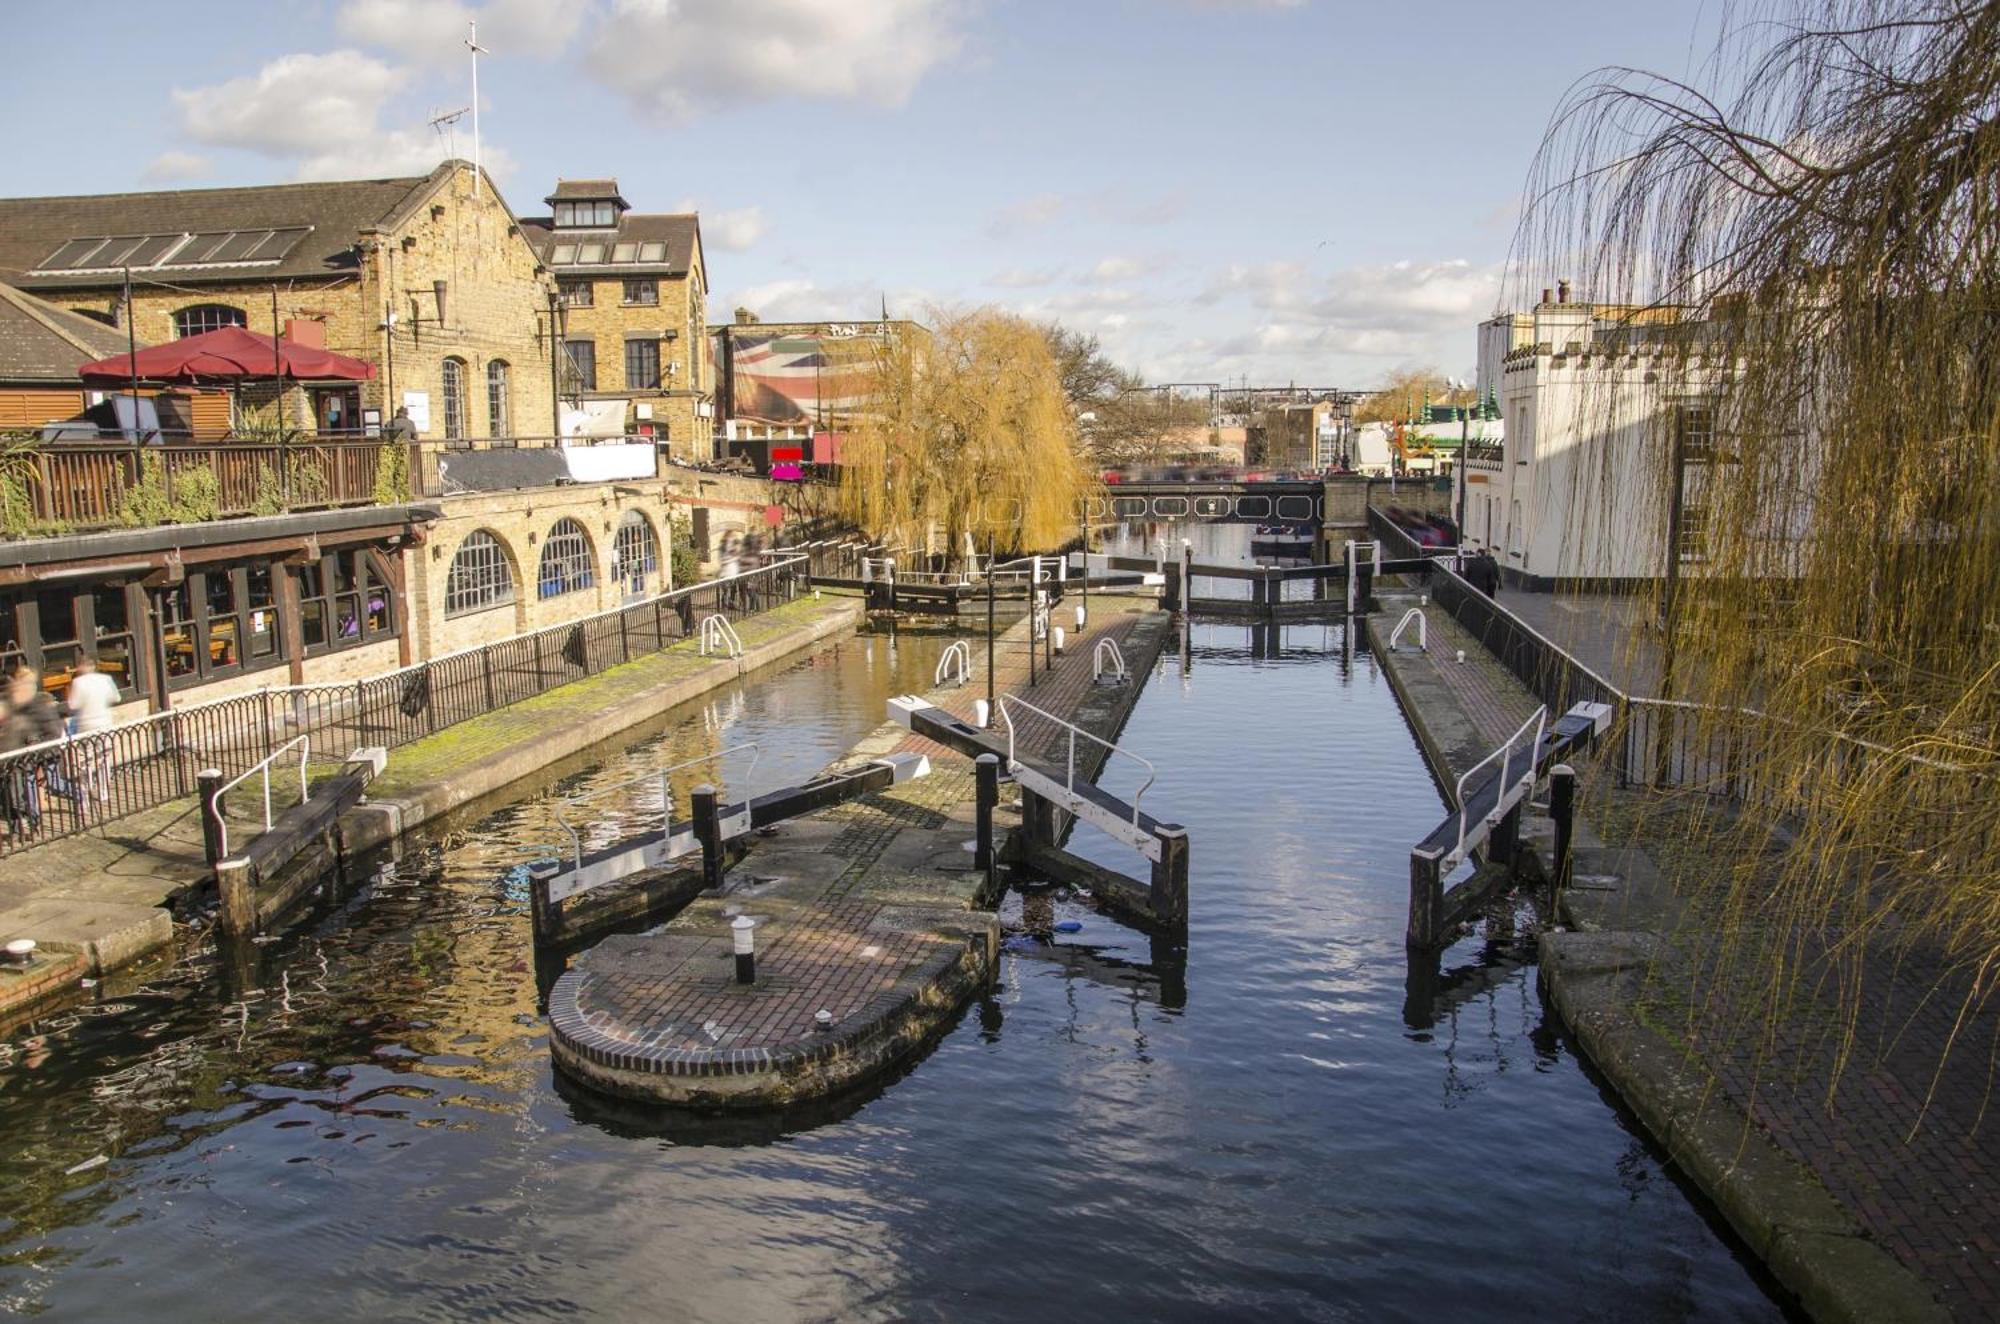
(681,309)
(496,307)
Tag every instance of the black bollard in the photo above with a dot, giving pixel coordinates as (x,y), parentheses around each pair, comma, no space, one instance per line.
(708,831)
(207,782)
(1562,808)
(743,938)
(986,772)
(1169,892)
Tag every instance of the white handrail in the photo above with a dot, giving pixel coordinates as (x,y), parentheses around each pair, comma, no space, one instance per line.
(666,792)
(1108,645)
(1505,755)
(263,766)
(716,631)
(1423,630)
(1008,701)
(962,652)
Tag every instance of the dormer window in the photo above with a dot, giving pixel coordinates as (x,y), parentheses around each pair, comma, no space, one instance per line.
(594,215)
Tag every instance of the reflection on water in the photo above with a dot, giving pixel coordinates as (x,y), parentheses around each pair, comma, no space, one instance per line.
(367,1125)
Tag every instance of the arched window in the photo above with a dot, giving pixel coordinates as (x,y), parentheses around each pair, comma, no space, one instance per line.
(499,418)
(480,577)
(207,317)
(635,556)
(454,399)
(566,563)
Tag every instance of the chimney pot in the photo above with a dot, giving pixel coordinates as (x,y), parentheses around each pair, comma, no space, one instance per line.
(1562,291)
(1548,295)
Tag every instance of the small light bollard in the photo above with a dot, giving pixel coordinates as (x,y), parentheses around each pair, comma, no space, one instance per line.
(1461,655)
(21,951)
(743,935)
(1059,641)
(982,714)
(1081,617)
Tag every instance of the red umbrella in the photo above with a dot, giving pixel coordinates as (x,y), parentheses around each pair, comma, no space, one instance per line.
(227,355)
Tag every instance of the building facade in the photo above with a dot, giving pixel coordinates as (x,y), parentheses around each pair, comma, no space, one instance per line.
(634,297)
(1594,401)
(429,278)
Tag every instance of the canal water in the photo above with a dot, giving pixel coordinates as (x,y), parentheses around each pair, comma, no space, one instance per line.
(1291,1122)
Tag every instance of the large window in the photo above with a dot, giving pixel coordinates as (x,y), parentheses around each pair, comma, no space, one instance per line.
(499,415)
(222,620)
(454,399)
(578,293)
(573,215)
(642,365)
(646,291)
(479,577)
(1696,424)
(634,555)
(582,363)
(566,565)
(344,602)
(50,629)
(203,317)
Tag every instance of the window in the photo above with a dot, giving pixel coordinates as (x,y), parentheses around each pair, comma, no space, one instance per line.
(578,293)
(582,364)
(499,418)
(479,577)
(576,214)
(642,365)
(634,554)
(1696,425)
(222,620)
(342,602)
(642,291)
(205,317)
(454,399)
(566,563)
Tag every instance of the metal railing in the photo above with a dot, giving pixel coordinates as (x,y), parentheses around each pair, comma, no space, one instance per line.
(1423,630)
(717,635)
(262,767)
(68,786)
(1505,754)
(664,776)
(956,662)
(1107,650)
(1009,702)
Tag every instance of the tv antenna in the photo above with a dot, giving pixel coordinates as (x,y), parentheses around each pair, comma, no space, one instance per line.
(472,44)
(444,125)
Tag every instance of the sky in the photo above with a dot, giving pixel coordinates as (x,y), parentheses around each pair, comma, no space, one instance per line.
(1317,192)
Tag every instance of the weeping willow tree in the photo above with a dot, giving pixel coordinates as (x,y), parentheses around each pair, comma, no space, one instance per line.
(1810,246)
(968,436)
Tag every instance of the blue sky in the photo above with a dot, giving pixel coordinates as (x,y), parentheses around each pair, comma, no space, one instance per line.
(1316,191)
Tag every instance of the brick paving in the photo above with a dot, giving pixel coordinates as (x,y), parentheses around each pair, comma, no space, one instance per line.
(862,910)
(1893,1119)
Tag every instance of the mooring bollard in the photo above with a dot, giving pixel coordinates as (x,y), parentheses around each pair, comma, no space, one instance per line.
(986,786)
(708,831)
(236,888)
(207,782)
(743,933)
(1562,808)
(1169,892)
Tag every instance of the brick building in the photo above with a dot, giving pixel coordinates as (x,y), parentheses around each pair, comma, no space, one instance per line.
(634,289)
(430,278)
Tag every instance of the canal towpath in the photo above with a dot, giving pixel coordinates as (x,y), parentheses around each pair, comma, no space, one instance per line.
(1858,1210)
(870,912)
(101,901)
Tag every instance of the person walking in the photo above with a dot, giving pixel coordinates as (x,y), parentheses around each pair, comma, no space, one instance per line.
(37,721)
(92,696)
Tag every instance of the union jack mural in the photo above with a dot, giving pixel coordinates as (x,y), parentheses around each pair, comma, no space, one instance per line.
(807,377)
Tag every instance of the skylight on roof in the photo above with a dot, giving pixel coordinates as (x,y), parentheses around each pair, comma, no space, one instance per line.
(260,245)
(652,252)
(624,252)
(564,255)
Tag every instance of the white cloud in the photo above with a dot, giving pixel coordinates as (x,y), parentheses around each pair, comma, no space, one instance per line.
(806,300)
(733,231)
(322,113)
(1024,278)
(677,58)
(434,31)
(1117,269)
(1027,214)
(176,168)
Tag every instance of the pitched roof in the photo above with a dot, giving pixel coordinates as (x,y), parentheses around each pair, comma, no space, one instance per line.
(331,215)
(40,342)
(570,189)
(679,236)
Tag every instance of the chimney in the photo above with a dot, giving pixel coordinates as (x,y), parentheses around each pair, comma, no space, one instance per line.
(1562,291)
(1548,295)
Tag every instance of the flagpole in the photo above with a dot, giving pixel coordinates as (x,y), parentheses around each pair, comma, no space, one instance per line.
(472,44)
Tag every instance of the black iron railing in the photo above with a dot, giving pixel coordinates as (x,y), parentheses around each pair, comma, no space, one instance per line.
(83,781)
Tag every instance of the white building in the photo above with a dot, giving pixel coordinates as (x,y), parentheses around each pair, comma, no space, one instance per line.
(1592,399)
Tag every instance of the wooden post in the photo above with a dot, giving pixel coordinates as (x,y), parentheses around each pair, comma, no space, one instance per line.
(1365,585)
(236,886)
(1562,808)
(545,915)
(986,773)
(1187,575)
(207,782)
(1170,592)
(708,831)
(1038,819)
(1169,892)
(1426,900)
(1504,845)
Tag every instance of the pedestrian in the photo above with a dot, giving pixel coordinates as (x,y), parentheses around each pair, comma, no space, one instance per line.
(1487,573)
(37,721)
(401,426)
(92,696)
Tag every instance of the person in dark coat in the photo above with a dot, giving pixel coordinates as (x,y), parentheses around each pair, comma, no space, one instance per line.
(1484,573)
(34,719)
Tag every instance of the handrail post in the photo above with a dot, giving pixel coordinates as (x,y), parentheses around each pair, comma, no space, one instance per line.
(708,831)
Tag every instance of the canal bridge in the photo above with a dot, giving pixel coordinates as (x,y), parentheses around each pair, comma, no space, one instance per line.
(1294,501)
